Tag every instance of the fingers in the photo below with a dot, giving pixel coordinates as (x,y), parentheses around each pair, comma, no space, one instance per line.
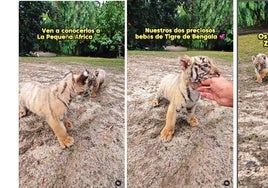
(207,95)
(206,82)
(205,92)
(204,89)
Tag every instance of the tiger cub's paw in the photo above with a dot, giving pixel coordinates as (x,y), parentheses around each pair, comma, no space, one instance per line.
(93,95)
(155,103)
(66,142)
(68,125)
(258,80)
(193,121)
(166,134)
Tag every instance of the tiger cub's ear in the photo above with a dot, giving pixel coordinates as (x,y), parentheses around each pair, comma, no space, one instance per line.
(96,73)
(185,61)
(83,77)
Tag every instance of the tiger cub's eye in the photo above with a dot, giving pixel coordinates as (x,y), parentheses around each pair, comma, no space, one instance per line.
(205,65)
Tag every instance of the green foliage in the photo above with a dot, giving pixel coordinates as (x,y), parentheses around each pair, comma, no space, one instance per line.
(213,14)
(251,13)
(110,22)
(68,15)
(29,24)
(108,17)
(183,19)
(152,14)
(46,22)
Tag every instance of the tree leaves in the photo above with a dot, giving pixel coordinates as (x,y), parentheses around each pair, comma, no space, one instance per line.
(251,13)
(108,18)
(110,22)
(216,14)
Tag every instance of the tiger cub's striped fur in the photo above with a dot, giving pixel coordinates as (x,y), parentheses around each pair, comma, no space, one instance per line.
(260,63)
(100,78)
(52,101)
(180,90)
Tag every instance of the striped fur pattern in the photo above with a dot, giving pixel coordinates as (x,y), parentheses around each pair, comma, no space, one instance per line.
(100,78)
(260,63)
(51,102)
(180,90)
(92,81)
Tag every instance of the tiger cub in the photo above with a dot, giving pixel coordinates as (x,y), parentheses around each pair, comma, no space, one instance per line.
(91,84)
(260,63)
(180,90)
(100,78)
(51,102)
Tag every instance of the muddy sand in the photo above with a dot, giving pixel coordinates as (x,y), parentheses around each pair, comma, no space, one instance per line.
(97,157)
(196,156)
(252,129)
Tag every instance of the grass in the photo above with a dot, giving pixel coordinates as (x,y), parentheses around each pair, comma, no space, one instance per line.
(116,62)
(227,56)
(249,45)
(112,62)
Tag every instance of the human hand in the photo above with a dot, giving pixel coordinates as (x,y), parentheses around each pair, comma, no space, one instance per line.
(218,89)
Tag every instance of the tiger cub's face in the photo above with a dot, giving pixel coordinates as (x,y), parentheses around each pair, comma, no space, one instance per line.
(199,68)
(91,82)
(260,61)
(80,82)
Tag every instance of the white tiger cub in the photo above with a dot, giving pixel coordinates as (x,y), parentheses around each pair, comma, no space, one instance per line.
(260,63)
(180,90)
(51,102)
(100,78)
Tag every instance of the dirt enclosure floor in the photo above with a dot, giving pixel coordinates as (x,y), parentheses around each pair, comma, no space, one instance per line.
(252,129)
(196,156)
(97,157)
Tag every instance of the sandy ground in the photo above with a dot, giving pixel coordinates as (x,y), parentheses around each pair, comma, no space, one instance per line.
(252,129)
(97,157)
(196,156)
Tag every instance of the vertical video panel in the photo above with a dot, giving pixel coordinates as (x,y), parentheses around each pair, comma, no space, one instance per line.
(180,93)
(71,79)
(252,93)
